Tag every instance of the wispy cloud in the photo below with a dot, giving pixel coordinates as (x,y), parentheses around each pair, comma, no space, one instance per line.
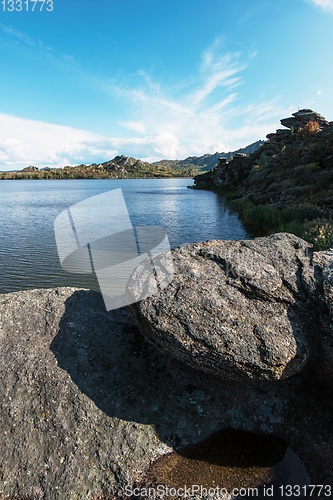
(326,5)
(195,117)
(136,126)
(218,70)
(18,35)
(167,120)
(28,142)
(251,12)
(23,39)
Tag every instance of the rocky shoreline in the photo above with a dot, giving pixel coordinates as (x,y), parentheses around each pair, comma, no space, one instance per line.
(88,405)
(286,185)
(285,146)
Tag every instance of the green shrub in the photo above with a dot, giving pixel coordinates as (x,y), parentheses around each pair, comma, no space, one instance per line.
(312,167)
(313,224)
(262,161)
(319,232)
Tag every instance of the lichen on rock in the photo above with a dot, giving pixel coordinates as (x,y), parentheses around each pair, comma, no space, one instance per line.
(239,310)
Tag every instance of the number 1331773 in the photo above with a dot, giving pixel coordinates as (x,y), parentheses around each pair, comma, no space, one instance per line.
(26,5)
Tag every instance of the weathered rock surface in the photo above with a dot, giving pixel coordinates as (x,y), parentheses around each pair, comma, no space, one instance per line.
(292,122)
(306,115)
(298,121)
(278,136)
(302,117)
(240,310)
(86,403)
(73,419)
(285,161)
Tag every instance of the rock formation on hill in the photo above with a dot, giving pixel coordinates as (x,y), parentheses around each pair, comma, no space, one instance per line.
(31,168)
(207,161)
(300,119)
(287,170)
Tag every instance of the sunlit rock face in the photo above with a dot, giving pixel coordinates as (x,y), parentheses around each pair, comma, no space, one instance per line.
(243,310)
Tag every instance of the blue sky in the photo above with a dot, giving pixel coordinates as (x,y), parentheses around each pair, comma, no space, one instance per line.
(151,79)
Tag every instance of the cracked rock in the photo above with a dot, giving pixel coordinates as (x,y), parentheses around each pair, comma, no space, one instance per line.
(240,309)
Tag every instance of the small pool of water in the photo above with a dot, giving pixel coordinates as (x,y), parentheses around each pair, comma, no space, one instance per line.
(232,460)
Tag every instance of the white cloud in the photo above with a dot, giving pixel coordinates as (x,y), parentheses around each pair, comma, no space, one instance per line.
(181,133)
(192,117)
(26,142)
(137,126)
(199,119)
(326,5)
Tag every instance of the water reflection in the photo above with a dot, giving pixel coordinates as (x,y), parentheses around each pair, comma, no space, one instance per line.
(28,254)
(232,460)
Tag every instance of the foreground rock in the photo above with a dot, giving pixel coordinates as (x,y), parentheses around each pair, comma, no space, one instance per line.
(240,310)
(74,418)
(86,404)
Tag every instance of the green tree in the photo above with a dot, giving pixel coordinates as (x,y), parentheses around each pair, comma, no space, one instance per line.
(262,160)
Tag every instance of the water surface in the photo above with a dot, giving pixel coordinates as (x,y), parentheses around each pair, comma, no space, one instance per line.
(28,208)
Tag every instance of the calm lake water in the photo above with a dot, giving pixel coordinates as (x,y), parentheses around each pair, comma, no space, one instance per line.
(28,254)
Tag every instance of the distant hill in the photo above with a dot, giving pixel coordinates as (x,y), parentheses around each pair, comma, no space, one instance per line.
(205,162)
(121,167)
(126,167)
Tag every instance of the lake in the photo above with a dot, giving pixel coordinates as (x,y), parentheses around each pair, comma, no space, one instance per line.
(28,208)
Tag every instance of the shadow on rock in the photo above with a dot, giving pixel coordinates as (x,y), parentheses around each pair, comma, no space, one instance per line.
(110,362)
(128,378)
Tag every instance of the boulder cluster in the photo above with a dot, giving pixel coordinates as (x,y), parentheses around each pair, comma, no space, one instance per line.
(298,121)
(294,167)
(117,165)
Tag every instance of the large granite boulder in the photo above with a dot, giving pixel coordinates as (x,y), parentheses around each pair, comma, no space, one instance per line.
(306,115)
(86,404)
(243,310)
